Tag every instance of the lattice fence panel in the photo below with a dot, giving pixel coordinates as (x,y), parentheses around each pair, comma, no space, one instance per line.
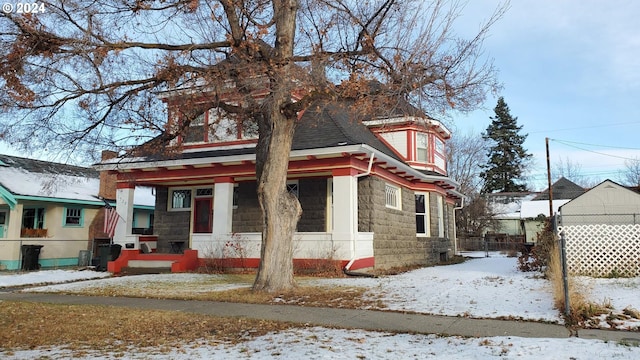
(602,250)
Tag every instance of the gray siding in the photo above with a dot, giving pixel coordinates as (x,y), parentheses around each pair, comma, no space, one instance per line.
(312,196)
(169,225)
(395,240)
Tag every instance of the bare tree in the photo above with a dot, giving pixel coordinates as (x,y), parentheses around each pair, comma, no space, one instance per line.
(85,73)
(465,155)
(566,168)
(630,176)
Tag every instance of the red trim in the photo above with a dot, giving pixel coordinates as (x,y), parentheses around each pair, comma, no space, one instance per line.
(253,263)
(345,166)
(125,185)
(344,172)
(219,144)
(223,180)
(363,263)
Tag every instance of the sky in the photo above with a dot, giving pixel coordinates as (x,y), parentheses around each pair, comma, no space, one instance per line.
(571,73)
(486,287)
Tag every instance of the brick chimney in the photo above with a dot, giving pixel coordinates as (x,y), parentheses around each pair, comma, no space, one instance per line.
(107,180)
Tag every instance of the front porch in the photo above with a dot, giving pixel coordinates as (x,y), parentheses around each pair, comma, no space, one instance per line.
(222,221)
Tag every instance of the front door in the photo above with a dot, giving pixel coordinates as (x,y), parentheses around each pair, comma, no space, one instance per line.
(202,216)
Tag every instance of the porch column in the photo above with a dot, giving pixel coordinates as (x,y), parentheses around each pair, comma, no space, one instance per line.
(124,208)
(222,206)
(14,226)
(345,208)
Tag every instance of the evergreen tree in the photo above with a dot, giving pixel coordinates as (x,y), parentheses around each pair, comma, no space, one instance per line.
(507,158)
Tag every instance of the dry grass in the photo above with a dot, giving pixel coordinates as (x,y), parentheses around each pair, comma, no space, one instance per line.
(334,296)
(113,330)
(81,328)
(581,311)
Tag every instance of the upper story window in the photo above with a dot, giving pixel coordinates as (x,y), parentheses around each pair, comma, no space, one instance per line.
(214,125)
(422,147)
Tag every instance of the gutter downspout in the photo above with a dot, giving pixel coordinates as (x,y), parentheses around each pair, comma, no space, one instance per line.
(353,248)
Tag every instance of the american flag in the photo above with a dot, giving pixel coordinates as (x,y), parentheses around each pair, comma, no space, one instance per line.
(110,219)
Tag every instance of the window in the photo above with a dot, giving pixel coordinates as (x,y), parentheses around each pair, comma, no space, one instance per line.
(180,199)
(422,148)
(195,131)
(222,128)
(422,214)
(207,192)
(33,218)
(73,217)
(392,197)
(236,195)
(292,187)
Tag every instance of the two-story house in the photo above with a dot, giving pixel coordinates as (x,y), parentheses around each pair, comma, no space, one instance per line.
(374,193)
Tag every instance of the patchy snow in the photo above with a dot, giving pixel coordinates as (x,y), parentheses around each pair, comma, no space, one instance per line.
(321,343)
(483,287)
(10,279)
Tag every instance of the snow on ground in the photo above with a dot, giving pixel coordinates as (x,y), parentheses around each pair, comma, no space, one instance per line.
(48,277)
(330,344)
(483,287)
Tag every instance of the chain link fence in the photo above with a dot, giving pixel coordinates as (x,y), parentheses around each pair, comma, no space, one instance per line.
(492,242)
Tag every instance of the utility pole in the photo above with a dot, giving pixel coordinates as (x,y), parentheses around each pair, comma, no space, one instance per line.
(549,179)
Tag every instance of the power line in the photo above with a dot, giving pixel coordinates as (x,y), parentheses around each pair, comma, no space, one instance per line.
(570,144)
(567,142)
(586,127)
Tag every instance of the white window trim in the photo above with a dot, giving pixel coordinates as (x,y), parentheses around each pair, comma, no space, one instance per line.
(170,199)
(426,147)
(440,216)
(427,215)
(393,197)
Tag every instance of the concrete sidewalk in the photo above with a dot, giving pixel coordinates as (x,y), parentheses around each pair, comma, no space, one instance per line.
(340,318)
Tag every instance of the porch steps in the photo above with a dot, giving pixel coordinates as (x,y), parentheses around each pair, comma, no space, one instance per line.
(127,270)
(146,263)
(150,263)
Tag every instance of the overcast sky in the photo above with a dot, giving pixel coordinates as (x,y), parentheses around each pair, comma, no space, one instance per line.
(571,72)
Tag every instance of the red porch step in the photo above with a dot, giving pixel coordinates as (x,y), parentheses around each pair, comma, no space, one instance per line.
(187,261)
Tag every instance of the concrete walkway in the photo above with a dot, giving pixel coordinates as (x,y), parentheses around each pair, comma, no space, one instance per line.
(340,318)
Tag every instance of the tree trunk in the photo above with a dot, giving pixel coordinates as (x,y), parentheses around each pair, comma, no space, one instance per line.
(280,209)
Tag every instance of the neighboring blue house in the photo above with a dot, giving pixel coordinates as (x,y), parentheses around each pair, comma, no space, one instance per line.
(56,206)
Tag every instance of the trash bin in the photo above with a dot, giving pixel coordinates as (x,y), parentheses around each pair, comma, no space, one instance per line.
(107,252)
(84,258)
(30,256)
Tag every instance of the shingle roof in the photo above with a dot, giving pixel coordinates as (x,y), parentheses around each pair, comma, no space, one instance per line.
(562,189)
(327,124)
(46,167)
